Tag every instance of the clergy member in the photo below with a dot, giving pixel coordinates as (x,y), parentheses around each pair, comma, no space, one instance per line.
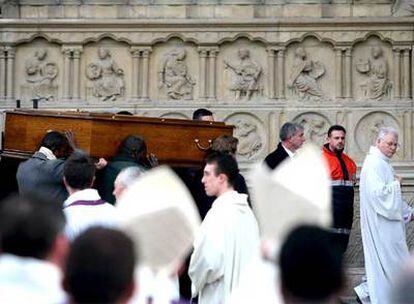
(228,239)
(384,214)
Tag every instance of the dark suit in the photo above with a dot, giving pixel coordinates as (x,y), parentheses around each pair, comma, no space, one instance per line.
(43,176)
(276,157)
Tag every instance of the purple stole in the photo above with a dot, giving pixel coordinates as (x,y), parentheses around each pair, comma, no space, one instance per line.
(86,203)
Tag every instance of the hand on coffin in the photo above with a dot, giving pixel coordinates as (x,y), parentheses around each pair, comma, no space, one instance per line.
(71,139)
(153,160)
(101,163)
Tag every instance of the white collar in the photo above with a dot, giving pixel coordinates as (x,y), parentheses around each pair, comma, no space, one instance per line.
(289,152)
(84,195)
(377,152)
(47,152)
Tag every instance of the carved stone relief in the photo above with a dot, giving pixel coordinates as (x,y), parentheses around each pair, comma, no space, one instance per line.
(174,115)
(173,72)
(40,74)
(315,127)
(402,8)
(372,70)
(241,75)
(246,78)
(368,127)
(377,84)
(250,132)
(309,76)
(174,77)
(107,79)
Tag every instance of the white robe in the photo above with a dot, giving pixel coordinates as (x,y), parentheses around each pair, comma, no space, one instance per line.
(383,217)
(228,241)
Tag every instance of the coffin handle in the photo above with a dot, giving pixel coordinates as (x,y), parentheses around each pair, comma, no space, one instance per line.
(200,146)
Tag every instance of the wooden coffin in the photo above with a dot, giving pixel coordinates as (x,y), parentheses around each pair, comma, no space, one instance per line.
(176,142)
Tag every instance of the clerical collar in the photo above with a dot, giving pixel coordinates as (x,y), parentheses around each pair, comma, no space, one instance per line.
(374,150)
(289,152)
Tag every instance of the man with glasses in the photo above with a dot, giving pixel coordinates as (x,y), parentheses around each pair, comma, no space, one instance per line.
(384,214)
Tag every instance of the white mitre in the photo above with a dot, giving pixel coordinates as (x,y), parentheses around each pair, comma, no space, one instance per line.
(159,213)
(297,192)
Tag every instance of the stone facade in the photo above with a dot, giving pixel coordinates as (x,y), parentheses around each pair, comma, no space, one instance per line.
(255,64)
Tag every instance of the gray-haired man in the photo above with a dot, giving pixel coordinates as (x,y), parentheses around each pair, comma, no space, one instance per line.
(291,139)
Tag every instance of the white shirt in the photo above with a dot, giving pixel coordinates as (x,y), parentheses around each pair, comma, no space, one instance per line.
(383,217)
(82,217)
(29,280)
(290,153)
(226,244)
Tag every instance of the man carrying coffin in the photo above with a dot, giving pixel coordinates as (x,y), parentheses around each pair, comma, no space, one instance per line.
(384,214)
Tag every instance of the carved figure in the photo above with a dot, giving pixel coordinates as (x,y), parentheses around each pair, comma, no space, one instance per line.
(247,73)
(107,77)
(250,141)
(314,129)
(40,74)
(173,75)
(375,68)
(402,8)
(303,78)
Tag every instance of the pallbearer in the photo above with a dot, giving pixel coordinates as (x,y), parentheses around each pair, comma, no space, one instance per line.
(342,171)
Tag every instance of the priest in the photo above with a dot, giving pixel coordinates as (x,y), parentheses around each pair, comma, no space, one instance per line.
(384,214)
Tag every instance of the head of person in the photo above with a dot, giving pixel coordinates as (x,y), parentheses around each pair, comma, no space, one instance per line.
(100,267)
(134,148)
(336,138)
(124,179)
(78,172)
(219,173)
(292,136)
(203,114)
(387,141)
(56,142)
(311,267)
(225,144)
(32,226)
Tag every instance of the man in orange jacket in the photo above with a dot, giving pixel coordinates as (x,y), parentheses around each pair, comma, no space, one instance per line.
(343,175)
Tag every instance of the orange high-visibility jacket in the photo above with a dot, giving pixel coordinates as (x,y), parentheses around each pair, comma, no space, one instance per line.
(334,165)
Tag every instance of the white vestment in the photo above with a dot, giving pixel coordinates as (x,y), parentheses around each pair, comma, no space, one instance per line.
(228,241)
(383,217)
(83,216)
(29,280)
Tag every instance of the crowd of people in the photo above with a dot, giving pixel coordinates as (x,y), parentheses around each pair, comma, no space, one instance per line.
(61,242)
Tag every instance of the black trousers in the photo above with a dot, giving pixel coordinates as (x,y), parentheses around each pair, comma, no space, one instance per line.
(343,215)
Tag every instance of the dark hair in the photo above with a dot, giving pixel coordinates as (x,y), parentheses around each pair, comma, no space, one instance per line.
(54,141)
(79,171)
(100,266)
(225,144)
(288,130)
(200,113)
(311,266)
(133,147)
(225,164)
(336,128)
(29,225)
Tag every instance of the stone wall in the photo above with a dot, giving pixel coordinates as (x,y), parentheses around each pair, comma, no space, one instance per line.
(253,71)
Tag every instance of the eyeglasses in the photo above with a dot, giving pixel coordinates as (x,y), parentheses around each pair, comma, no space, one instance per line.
(391,144)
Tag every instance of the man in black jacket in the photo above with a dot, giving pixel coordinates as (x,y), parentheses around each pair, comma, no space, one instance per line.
(291,139)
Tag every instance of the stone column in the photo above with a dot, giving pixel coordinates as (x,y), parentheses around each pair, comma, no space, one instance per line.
(407,136)
(338,73)
(2,73)
(271,71)
(11,53)
(406,73)
(67,57)
(397,72)
(76,73)
(348,73)
(212,58)
(280,80)
(202,76)
(145,73)
(136,54)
